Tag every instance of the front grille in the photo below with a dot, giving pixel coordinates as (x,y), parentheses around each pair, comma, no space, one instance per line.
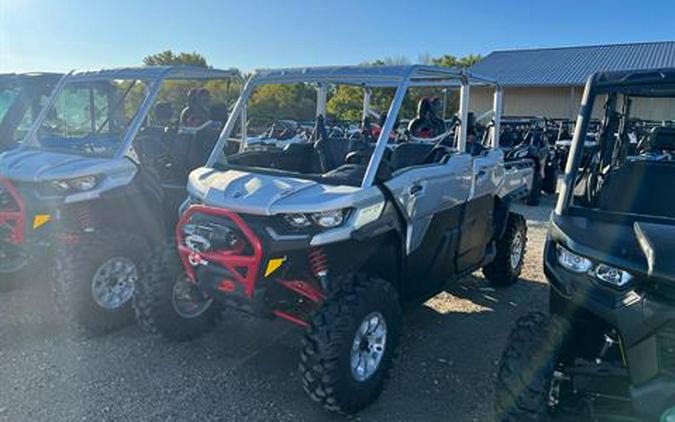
(666,342)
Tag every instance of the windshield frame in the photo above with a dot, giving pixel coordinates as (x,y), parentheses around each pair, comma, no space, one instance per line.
(153,76)
(367,77)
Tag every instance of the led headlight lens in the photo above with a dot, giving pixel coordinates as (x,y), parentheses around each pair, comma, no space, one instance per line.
(613,276)
(83,183)
(572,261)
(297,220)
(79,184)
(328,219)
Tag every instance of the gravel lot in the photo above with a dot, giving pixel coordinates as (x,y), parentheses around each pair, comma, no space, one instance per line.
(246,369)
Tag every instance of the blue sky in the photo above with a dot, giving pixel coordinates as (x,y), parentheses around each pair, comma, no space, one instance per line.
(61,35)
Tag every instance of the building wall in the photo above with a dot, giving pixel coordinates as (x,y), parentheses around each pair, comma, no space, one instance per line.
(562,103)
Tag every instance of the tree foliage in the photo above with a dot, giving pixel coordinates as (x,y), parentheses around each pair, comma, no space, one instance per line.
(168,57)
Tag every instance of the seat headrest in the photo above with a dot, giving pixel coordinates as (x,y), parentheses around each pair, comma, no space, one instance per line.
(661,138)
(163,112)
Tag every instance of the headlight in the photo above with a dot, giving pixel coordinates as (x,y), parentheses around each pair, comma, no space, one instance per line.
(573,262)
(297,220)
(613,276)
(328,219)
(324,219)
(79,184)
(83,183)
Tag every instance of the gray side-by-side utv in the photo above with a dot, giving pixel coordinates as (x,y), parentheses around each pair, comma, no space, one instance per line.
(606,349)
(339,236)
(99,178)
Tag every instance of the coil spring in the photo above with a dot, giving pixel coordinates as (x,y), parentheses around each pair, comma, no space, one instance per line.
(318,261)
(84,218)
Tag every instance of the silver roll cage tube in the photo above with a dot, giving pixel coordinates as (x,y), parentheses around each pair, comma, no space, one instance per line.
(367,77)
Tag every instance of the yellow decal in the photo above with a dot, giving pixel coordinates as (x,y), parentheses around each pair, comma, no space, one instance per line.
(40,220)
(273,265)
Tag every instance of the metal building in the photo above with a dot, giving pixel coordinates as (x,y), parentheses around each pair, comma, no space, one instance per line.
(550,81)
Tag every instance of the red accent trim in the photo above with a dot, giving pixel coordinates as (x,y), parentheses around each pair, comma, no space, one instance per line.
(18,233)
(288,317)
(233,261)
(226,286)
(305,289)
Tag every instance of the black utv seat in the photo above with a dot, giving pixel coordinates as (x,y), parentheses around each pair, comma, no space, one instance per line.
(661,138)
(411,154)
(640,187)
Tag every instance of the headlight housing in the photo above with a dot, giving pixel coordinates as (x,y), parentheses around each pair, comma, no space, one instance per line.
(573,262)
(328,219)
(614,276)
(605,273)
(78,184)
(323,219)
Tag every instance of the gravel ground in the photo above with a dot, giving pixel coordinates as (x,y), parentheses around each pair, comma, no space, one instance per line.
(246,369)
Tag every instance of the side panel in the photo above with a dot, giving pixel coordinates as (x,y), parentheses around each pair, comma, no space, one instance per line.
(432,199)
(476,231)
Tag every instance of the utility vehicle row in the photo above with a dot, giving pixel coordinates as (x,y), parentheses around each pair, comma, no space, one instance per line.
(338,232)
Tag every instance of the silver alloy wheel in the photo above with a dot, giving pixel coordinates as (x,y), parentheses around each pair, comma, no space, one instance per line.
(516,251)
(369,346)
(114,282)
(188,300)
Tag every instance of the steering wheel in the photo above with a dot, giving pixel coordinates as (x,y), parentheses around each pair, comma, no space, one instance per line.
(161,160)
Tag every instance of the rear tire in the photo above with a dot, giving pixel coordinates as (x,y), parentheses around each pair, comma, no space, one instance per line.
(523,390)
(154,301)
(511,247)
(334,361)
(73,280)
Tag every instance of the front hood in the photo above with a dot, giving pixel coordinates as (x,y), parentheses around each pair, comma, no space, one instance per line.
(38,166)
(263,194)
(612,243)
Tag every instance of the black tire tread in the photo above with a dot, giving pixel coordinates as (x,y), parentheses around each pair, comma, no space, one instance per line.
(330,328)
(499,271)
(526,368)
(153,305)
(71,284)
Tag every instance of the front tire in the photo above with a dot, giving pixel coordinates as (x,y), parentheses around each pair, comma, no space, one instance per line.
(348,349)
(167,303)
(94,281)
(511,247)
(526,372)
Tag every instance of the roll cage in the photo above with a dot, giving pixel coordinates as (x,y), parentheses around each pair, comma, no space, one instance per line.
(658,83)
(153,76)
(399,77)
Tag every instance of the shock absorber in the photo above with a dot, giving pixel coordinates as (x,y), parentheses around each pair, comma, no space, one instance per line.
(318,263)
(84,218)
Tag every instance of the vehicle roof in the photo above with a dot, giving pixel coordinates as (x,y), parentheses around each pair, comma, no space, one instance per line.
(156,72)
(654,82)
(30,75)
(373,76)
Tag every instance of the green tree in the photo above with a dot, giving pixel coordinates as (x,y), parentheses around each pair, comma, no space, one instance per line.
(448,60)
(282,101)
(168,57)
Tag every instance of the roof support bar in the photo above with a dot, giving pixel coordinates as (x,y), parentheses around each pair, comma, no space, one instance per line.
(497,117)
(463,115)
(321,99)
